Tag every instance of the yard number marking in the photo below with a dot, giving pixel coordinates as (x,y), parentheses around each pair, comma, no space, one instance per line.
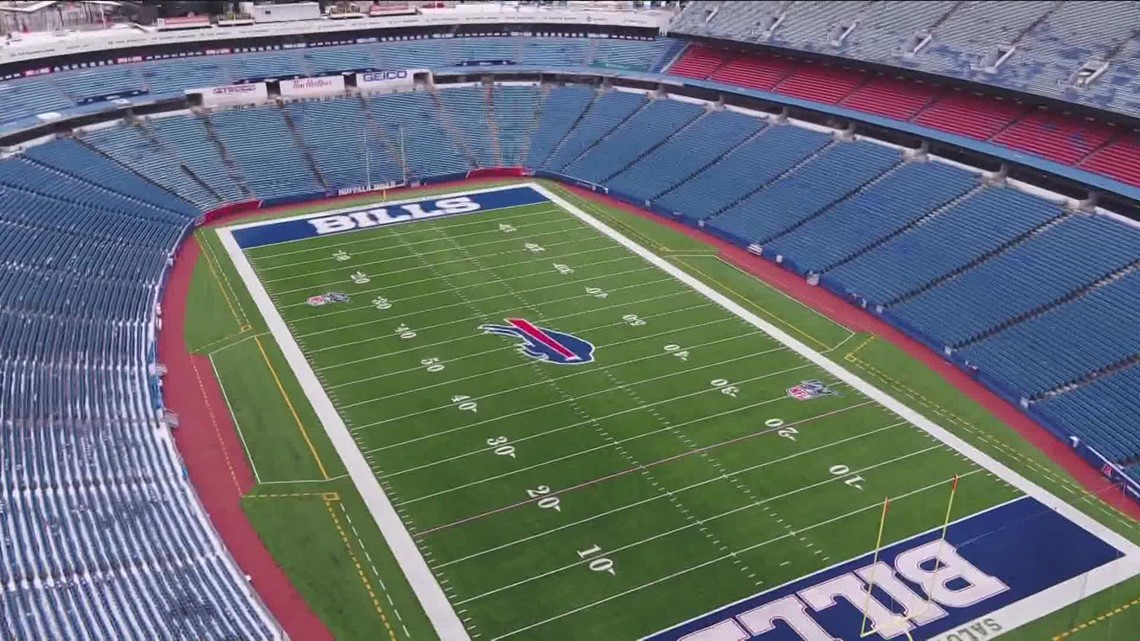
(360,278)
(633,320)
(465,403)
(599,564)
(563,269)
(432,364)
(406,333)
(534,248)
(381,303)
(506,229)
(676,351)
(341,255)
(854,480)
(725,387)
(597,292)
(546,502)
(501,446)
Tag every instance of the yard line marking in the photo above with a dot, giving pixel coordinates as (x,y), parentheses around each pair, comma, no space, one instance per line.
(680,528)
(537,383)
(627,470)
(686,488)
(374,238)
(498,313)
(451,341)
(385,319)
(425,223)
(420,281)
(546,382)
(523,439)
(706,390)
(507,239)
(718,559)
(518,365)
(233,417)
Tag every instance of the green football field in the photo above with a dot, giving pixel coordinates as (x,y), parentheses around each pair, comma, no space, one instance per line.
(690,459)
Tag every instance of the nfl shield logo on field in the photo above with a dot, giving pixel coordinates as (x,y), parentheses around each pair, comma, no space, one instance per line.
(317,301)
(808,390)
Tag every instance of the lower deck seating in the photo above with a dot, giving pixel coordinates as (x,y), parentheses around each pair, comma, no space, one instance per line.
(604,115)
(276,169)
(1103,413)
(1119,160)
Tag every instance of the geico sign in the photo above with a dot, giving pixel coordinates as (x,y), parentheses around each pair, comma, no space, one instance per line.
(383,76)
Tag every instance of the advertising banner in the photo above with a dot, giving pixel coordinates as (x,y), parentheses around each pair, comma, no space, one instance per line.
(244,94)
(325,86)
(386,80)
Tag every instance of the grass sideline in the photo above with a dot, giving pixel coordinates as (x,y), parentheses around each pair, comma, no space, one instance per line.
(216,333)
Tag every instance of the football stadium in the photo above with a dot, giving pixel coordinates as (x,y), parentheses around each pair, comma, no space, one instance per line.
(657,321)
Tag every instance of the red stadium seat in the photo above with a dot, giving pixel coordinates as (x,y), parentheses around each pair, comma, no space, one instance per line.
(1066,139)
(971,115)
(756,72)
(1119,160)
(699,61)
(821,84)
(892,97)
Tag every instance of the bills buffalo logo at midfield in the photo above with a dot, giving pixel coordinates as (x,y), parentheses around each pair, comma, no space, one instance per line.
(808,390)
(326,298)
(544,344)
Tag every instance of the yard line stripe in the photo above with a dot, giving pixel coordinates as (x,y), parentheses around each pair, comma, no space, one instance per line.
(523,439)
(509,310)
(453,340)
(546,382)
(437,251)
(661,535)
(381,237)
(518,365)
(662,496)
(389,226)
(627,470)
(875,506)
(583,422)
(384,319)
(406,283)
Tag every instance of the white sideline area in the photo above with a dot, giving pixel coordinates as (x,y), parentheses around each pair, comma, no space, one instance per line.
(415,568)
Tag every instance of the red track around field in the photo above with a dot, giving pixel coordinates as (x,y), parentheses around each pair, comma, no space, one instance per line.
(216,461)
(859,320)
(214,457)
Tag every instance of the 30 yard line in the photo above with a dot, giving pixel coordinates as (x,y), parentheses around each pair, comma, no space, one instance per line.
(385,319)
(874,506)
(431,280)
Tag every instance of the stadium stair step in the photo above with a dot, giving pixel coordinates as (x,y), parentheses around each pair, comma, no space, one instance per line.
(1088,379)
(993,253)
(231,167)
(306,153)
(609,133)
(893,235)
(728,152)
(449,124)
(654,147)
(1077,293)
(524,153)
(378,132)
(96,150)
(493,125)
(779,177)
(149,135)
(842,198)
(554,150)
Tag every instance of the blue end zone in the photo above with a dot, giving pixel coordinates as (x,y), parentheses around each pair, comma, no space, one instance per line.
(989,561)
(326,224)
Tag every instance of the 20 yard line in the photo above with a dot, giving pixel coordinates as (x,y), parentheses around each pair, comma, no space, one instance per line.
(681,528)
(874,506)
(658,497)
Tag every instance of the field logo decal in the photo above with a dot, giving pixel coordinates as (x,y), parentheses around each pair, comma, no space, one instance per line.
(808,390)
(326,298)
(544,344)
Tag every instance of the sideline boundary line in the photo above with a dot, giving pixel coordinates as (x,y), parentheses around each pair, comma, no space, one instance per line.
(428,591)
